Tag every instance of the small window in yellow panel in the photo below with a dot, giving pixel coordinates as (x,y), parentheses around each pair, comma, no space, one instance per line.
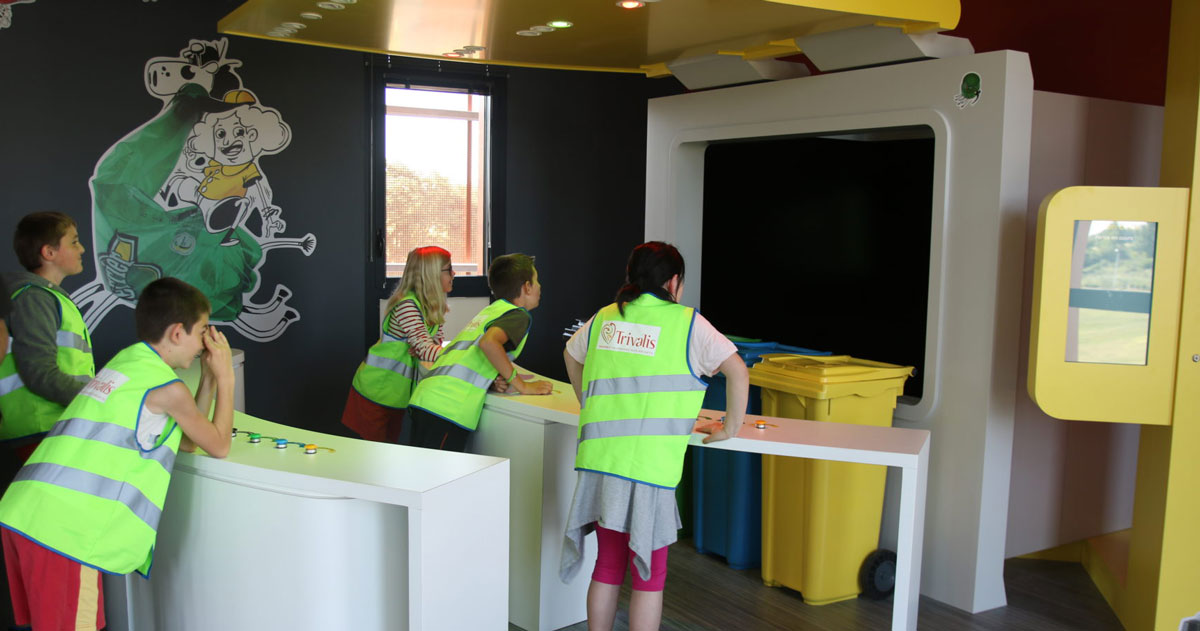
(1112,277)
(1107,288)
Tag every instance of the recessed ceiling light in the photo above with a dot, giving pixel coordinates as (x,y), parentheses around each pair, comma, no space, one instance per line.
(452,54)
(474,49)
(630,4)
(311,15)
(293,25)
(281,33)
(353,1)
(541,28)
(528,33)
(559,24)
(331,6)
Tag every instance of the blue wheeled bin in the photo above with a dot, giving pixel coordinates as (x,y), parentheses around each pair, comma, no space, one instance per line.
(727,485)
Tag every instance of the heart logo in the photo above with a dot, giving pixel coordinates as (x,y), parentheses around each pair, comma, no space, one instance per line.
(608,331)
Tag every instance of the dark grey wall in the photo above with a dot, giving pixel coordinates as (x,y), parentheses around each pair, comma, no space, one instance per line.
(575,164)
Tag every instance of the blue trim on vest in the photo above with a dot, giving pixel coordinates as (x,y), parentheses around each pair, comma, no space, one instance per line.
(137,421)
(657,486)
(448,420)
(688,349)
(61,554)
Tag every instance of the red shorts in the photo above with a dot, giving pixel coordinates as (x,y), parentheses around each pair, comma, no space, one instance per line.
(614,556)
(50,591)
(371,420)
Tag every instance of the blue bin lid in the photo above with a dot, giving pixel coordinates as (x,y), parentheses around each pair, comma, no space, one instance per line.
(751,351)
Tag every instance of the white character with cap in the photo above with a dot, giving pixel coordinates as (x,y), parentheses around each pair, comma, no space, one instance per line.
(231,187)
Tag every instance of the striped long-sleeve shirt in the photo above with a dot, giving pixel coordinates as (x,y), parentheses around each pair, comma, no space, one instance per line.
(407,322)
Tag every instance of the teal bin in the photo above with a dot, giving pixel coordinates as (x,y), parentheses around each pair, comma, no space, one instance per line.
(726,507)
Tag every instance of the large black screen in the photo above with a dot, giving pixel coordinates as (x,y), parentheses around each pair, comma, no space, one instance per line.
(822,242)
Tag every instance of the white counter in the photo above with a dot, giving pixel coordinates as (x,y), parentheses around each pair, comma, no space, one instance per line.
(538,435)
(366,536)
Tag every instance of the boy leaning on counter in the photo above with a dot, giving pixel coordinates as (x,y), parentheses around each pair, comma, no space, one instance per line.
(90,496)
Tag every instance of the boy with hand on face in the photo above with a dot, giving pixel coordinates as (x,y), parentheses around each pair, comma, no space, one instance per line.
(446,404)
(90,497)
(51,355)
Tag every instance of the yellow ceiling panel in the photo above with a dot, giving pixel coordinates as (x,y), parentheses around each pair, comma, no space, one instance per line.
(604,36)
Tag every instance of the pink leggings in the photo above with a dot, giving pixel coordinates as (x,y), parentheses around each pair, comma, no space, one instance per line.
(614,556)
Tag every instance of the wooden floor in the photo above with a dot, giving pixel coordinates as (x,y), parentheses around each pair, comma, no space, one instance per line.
(704,593)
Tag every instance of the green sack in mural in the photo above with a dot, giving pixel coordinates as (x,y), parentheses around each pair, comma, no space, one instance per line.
(175,197)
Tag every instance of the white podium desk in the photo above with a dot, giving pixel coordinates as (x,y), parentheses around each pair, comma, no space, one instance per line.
(907,449)
(368,536)
(537,434)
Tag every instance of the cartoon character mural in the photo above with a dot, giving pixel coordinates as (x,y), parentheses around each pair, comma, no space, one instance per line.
(6,12)
(184,195)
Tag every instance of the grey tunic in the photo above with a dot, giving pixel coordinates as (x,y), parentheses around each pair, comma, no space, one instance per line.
(648,513)
(33,325)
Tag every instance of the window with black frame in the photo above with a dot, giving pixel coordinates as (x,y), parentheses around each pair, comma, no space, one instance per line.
(434,179)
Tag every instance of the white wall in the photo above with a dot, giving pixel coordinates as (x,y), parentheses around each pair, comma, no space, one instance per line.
(1073,480)
(980,195)
(461,312)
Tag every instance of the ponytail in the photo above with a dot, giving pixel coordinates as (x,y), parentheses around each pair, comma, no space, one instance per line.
(650,266)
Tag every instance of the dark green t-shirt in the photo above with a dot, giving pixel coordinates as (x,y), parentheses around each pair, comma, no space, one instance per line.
(515,324)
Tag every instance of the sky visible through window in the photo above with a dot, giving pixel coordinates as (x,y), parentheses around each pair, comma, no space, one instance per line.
(435,151)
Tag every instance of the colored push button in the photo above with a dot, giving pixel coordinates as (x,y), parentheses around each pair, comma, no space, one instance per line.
(281,443)
(760,424)
(256,438)
(310,449)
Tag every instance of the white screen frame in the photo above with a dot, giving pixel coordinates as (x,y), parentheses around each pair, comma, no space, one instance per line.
(681,218)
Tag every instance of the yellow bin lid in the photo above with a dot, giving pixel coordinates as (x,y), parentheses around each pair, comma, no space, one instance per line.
(824,376)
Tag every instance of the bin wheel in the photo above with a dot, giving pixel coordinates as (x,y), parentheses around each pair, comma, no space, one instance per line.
(877,578)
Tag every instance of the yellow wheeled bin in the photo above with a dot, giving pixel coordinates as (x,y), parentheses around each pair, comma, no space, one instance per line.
(821,518)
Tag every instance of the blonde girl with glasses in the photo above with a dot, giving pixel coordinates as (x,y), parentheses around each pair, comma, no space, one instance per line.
(411,332)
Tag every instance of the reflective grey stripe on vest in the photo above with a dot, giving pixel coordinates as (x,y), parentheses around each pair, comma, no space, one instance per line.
(72,340)
(391,365)
(637,427)
(644,385)
(94,485)
(459,346)
(463,373)
(13,383)
(112,434)
(10,384)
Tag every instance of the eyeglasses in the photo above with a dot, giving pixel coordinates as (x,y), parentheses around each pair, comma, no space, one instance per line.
(448,270)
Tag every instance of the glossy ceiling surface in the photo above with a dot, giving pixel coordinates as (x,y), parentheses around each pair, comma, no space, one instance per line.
(602,35)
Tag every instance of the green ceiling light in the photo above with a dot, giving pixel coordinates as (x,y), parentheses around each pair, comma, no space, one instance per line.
(559,24)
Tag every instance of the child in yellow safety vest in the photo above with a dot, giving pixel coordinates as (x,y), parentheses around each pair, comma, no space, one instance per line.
(446,405)
(411,332)
(91,495)
(51,355)
(636,368)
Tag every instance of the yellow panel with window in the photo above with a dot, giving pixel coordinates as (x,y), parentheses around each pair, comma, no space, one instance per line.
(1108,279)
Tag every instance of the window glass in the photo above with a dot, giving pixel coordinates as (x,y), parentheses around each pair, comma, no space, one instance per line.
(1112,279)
(435,148)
